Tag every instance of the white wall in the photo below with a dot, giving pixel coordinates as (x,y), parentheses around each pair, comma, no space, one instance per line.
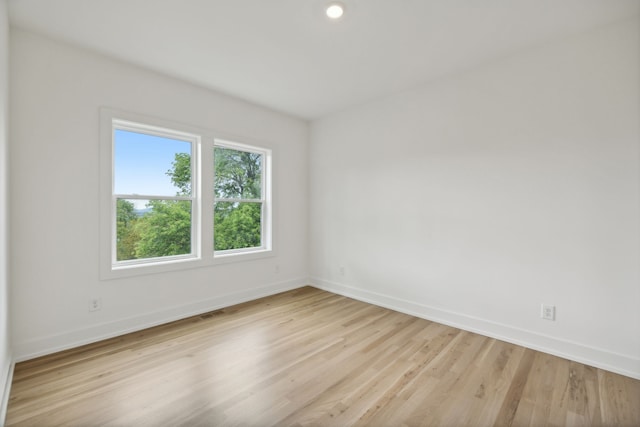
(5,347)
(470,200)
(57,90)
(476,198)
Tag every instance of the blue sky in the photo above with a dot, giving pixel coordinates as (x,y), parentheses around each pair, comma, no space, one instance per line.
(141,163)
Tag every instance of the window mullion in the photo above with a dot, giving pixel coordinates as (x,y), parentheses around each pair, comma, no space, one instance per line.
(206,198)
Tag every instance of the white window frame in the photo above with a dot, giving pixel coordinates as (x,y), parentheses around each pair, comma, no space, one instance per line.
(202,196)
(194,141)
(265,181)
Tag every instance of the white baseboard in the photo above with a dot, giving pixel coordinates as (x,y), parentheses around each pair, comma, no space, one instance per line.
(51,344)
(618,363)
(7,375)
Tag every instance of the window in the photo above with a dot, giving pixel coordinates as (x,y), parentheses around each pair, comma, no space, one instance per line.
(160,180)
(239,207)
(154,208)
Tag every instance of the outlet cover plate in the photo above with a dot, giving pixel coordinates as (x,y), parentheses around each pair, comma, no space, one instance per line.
(95,304)
(548,312)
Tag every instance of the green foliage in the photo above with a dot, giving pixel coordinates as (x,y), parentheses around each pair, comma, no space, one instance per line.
(237,225)
(126,238)
(180,173)
(165,229)
(238,174)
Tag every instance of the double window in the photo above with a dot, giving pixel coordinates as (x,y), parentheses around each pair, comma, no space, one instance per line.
(179,197)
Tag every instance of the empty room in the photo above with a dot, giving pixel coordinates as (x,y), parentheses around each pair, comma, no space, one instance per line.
(320,213)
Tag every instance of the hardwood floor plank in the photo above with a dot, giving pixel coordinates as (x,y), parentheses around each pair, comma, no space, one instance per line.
(311,358)
(619,399)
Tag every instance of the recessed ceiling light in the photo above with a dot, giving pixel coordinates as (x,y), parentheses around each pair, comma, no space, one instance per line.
(335,10)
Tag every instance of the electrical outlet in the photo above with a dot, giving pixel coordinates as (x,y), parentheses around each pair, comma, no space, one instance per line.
(95,304)
(342,270)
(277,269)
(548,312)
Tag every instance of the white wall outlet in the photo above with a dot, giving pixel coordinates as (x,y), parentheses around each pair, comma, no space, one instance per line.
(342,270)
(277,269)
(548,312)
(95,304)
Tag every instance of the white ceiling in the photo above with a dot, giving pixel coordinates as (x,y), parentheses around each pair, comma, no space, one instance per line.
(286,55)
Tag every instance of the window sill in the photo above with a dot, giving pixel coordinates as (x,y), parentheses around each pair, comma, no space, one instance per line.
(132,270)
(224,258)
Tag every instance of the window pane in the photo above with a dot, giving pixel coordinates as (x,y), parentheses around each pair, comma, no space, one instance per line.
(152,228)
(238,174)
(237,225)
(151,165)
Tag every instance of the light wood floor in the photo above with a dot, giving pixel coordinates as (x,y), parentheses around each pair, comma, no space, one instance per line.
(309,357)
